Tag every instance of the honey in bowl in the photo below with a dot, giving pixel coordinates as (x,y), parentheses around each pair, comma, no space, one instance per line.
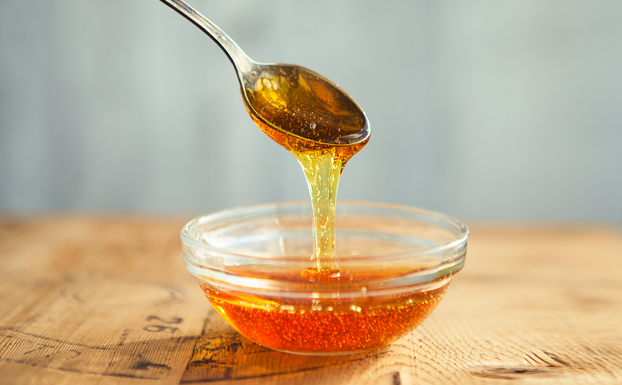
(325,326)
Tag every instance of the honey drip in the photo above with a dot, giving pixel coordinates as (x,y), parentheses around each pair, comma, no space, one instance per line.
(322,128)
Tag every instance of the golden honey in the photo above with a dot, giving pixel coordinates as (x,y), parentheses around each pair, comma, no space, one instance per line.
(325,325)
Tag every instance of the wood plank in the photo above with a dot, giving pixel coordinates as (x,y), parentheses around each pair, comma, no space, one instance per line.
(533,305)
(102,301)
(108,301)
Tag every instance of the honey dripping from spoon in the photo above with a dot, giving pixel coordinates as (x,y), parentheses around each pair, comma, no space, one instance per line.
(310,117)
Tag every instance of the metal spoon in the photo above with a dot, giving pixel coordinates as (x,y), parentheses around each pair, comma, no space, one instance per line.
(287,98)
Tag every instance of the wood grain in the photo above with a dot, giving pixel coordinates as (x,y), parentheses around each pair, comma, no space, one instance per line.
(95,301)
(533,305)
(108,301)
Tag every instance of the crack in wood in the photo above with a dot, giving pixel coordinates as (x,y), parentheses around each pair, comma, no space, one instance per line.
(516,372)
(548,364)
(396,379)
(16,330)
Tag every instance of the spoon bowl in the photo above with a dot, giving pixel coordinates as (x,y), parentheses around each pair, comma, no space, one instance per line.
(289,99)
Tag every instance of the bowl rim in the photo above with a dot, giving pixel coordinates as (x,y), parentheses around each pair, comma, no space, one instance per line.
(461,238)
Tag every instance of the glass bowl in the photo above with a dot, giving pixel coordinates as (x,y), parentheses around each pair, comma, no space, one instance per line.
(255,266)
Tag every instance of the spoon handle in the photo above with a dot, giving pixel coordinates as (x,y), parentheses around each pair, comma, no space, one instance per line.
(240,60)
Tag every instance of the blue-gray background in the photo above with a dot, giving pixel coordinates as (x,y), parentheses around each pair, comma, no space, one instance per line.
(484,109)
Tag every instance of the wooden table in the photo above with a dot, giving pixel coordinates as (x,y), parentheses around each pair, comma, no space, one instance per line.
(87,300)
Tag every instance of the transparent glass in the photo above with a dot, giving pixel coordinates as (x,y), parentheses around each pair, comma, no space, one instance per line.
(255,266)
